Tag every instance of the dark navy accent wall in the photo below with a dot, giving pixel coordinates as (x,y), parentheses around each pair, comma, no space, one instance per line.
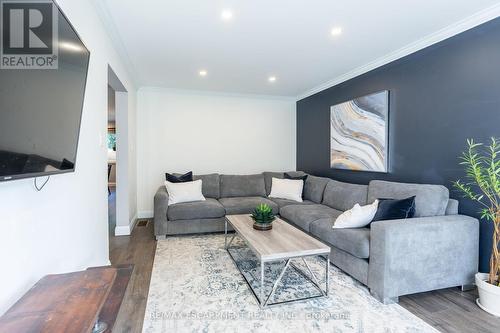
(439,97)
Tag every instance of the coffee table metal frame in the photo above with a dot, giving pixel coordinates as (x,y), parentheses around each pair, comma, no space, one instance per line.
(288,262)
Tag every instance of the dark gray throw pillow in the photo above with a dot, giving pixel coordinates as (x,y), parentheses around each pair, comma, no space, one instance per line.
(288,176)
(187,177)
(393,209)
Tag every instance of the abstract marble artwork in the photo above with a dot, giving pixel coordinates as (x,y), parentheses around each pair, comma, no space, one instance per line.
(359,133)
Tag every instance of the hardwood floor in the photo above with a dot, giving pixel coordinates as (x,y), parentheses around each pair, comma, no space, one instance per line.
(451,310)
(448,310)
(110,309)
(138,249)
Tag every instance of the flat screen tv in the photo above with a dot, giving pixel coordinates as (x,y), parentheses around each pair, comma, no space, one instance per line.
(41,109)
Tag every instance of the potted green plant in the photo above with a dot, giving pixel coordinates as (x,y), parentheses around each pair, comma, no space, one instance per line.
(263,217)
(482,185)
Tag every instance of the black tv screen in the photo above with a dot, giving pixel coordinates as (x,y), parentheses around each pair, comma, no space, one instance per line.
(41,108)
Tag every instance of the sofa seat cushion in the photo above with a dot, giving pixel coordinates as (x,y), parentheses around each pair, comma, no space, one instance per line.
(355,241)
(285,202)
(303,215)
(245,205)
(210,208)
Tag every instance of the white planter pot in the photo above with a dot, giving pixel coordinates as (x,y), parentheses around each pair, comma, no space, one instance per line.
(489,295)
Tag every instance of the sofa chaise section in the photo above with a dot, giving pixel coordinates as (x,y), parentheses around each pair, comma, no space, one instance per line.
(436,249)
(422,254)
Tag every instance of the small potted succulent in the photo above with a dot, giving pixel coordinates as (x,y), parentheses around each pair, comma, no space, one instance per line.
(263,217)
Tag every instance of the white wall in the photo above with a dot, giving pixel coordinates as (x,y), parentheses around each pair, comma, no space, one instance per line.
(126,195)
(179,131)
(64,227)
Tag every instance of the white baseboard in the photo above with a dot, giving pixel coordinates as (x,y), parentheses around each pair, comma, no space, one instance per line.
(126,230)
(122,230)
(132,222)
(145,214)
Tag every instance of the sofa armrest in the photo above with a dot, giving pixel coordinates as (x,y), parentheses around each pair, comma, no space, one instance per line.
(422,254)
(160,211)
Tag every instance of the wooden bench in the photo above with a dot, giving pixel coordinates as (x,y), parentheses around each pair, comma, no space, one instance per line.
(70,302)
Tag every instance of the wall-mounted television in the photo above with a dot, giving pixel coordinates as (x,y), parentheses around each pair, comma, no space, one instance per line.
(40,102)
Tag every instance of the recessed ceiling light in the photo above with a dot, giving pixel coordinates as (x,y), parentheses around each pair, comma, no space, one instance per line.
(336,31)
(226,14)
(272,79)
(203,73)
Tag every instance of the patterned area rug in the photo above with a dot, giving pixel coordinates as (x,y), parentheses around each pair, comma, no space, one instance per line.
(196,287)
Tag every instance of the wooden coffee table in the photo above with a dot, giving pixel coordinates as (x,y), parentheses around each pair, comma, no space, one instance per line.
(283,242)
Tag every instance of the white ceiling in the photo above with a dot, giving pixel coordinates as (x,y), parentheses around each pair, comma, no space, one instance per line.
(168,42)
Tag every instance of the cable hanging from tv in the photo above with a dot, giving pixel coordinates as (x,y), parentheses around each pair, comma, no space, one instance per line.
(39,188)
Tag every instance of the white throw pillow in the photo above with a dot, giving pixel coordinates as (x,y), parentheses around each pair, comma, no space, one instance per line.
(184,192)
(290,189)
(356,217)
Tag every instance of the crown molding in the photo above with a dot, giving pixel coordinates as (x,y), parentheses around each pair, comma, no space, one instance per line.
(215,93)
(117,41)
(470,22)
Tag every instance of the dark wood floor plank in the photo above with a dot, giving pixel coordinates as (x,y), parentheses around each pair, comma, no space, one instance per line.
(111,307)
(451,310)
(139,250)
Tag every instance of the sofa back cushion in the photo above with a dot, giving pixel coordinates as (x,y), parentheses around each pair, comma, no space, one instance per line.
(452,207)
(211,185)
(430,200)
(314,188)
(343,196)
(242,186)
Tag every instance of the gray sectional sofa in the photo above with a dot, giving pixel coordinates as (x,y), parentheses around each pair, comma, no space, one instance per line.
(436,249)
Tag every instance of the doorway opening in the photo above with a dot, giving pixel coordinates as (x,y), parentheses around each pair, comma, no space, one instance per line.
(119,221)
(111,147)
